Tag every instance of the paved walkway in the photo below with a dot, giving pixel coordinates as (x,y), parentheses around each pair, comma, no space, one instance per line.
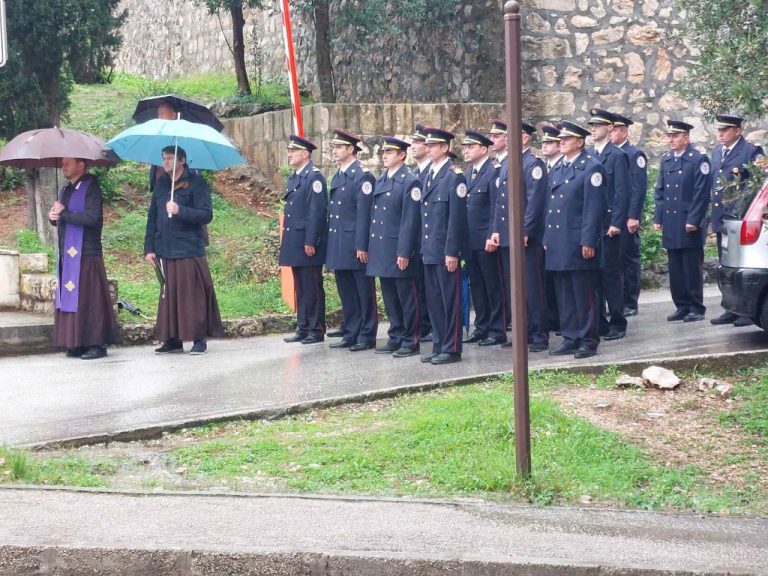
(48,398)
(81,532)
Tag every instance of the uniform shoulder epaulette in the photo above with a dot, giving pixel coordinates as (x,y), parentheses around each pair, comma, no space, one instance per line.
(457,170)
(315,169)
(364,169)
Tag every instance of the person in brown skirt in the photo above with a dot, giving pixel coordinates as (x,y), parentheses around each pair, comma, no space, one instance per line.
(84,320)
(174,244)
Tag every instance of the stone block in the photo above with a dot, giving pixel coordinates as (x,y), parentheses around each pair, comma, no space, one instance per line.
(535,23)
(670,102)
(663,66)
(545,48)
(635,67)
(38,287)
(603,75)
(579,21)
(572,77)
(549,75)
(9,279)
(645,34)
(608,35)
(33,262)
(550,103)
(582,42)
(559,5)
(623,7)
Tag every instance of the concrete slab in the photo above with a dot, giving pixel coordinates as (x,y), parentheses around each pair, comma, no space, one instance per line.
(86,532)
(134,393)
(25,332)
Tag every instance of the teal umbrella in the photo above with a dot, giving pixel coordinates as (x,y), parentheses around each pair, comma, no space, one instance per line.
(206,148)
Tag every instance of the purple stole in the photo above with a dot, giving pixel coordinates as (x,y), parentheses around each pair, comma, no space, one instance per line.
(68,290)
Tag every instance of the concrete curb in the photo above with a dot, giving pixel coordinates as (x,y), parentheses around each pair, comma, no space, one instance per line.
(698,362)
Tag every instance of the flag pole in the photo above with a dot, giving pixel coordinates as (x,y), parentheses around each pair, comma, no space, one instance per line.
(293,79)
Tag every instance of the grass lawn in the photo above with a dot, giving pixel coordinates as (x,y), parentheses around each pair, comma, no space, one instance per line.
(455,442)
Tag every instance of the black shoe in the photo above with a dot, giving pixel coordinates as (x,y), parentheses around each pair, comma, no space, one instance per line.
(630,312)
(492,342)
(507,344)
(172,346)
(584,351)
(94,352)
(388,348)
(537,347)
(338,333)
(313,339)
(427,358)
(724,318)
(603,330)
(199,347)
(404,352)
(74,352)
(563,350)
(473,339)
(446,359)
(693,317)
(743,321)
(361,346)
(678,315)
(427,338)
(615,334)
(341,344)
(298,337)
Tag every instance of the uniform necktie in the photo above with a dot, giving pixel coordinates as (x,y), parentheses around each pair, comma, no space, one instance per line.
(726,151)
(566,163)
(474,173)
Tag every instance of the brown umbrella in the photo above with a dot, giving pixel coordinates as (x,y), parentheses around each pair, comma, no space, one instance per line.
(45,147)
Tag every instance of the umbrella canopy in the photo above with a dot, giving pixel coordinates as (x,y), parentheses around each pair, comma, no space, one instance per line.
(45,147)
(192,111)
(206,148)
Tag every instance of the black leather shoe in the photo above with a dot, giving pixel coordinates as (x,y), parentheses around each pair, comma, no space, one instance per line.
(404,352)
(537,347)
(338,333)
(427,358)
(491,341)
(693,317)
(678,315)
(615,334)
(563,350)
(603,330)
(94,352)
(74,352)
(388,348)
(341,344)
(360,346)
(298,337)
(312,340)
(743,321)
(724,318)
(630,312)
(446,359)
(173,346)
(427,338)
(507,344)
(473,339)
(584,352)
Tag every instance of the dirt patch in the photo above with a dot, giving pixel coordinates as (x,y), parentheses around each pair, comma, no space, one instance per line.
(677,428)
(246,186)
(13,216)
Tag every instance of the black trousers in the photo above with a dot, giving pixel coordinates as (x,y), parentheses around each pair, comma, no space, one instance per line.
(536,297)
(444,302)
(506,289)
(401,300)
(611,285)
(485,285)
(630,244)
(686,279)
(310,299)
(358,306)
(577,303)
(425,324)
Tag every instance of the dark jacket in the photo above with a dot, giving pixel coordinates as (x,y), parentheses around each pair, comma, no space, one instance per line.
(617,186)
(181,236)
(723,172)
(638,180)
(682,197)
(444,215)
(575,210)
(500,223)
(535,182)
(91,218)
(480,207)
(306,218)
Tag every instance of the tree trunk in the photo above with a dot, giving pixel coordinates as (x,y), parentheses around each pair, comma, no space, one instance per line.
(322,20)
(42,189)
(238,47)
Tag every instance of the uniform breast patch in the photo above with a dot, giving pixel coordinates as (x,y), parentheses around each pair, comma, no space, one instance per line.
(461,190)
(597,179)
(317,186)
(641,162)
(367,188)
(416,194)
(705,168)
(537,172)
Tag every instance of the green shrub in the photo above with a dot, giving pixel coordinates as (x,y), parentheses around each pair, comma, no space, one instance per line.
(651,250)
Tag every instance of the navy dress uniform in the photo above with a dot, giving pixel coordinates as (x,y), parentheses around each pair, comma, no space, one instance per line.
(395,227)
(500,222)
(483,268)
(575,211)
(611,277)
(444,233)
(682,198)
(630,242)
(551,134)
(349,223)
(425,324)
(306,223)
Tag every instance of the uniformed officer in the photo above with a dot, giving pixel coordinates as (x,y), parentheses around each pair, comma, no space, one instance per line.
(550,152)
(483,268)
(572,238)
(349,224)
(421,171)
(393,248)
(630,236)
(611,275)
(682,199)
(305,232)
(443,243)
(729,161)
(499,240)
